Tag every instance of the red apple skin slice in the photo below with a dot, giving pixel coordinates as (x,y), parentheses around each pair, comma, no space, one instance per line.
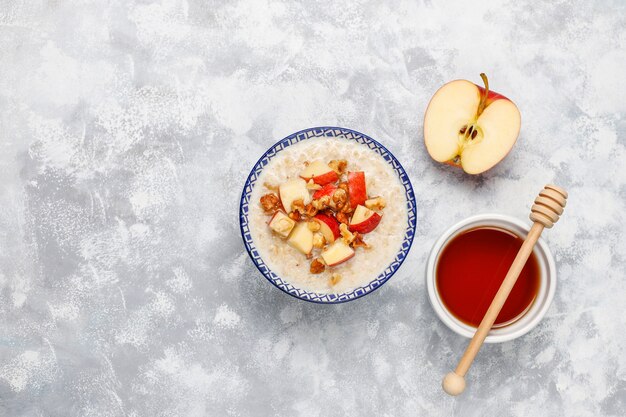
(356,188)
(331,223)
(327,178)
(327,189)
(366,225)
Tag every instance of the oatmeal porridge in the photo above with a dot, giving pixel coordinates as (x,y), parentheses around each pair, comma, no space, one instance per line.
(328,215)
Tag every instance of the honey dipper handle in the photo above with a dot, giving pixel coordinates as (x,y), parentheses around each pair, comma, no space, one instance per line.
(499,299)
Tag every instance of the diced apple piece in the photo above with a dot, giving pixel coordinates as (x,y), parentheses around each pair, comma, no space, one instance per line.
(319,172)
(364,220)
(337,253)
(329,227)
(281,224)
(293,190)
(328,189)
(356,188)
(301,238)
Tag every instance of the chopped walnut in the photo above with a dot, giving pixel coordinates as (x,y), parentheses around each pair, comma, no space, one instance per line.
(297,205)
(317,266)
(358,241)
(340,197)
(313,225)
(347,208)
(321,203)
(311,185)
(376,203)
(294,215)
(343,186)
(347,236)
(270,202)
(338,165)
(342,218)
(310,210)
(334,279)
(318,240)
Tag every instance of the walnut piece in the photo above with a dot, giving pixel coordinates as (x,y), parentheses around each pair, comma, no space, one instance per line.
(317,266)
(310,210)
(270,202)
(347,236)
(321,203)
(294,215)
(297,205)
(340,197)
(338,165)
(358,241)
(342,218)
(334,279)
(343,186)
(347,208)
(376,203)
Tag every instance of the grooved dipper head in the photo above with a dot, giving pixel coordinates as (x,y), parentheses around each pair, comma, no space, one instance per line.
(549,205)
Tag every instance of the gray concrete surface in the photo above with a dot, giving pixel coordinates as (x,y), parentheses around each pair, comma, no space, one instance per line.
(127,129)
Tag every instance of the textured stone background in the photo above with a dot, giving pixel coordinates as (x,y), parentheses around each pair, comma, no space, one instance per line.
(127,130)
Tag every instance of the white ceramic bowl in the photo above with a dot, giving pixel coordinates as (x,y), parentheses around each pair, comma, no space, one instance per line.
(537,310)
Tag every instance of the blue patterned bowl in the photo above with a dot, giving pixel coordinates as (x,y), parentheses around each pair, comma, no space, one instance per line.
(288,287)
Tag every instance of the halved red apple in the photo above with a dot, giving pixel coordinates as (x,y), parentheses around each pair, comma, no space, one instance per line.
(293,190)
(281,224)
(356,188)
(328,189)
(469,126)
(337,253)
(364,220)
(301,238)
(329,227)
(319,172)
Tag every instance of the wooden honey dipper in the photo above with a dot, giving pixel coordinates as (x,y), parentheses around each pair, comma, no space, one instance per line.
(544,213)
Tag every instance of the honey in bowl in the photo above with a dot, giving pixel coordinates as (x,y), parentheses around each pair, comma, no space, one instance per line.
(470,269)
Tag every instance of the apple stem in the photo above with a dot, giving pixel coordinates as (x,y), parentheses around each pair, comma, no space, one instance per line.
(483,99)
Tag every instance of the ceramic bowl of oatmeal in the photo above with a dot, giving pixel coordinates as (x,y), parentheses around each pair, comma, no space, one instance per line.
(328,215)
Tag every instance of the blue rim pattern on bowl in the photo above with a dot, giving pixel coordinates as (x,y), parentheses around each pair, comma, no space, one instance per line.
(286,286)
